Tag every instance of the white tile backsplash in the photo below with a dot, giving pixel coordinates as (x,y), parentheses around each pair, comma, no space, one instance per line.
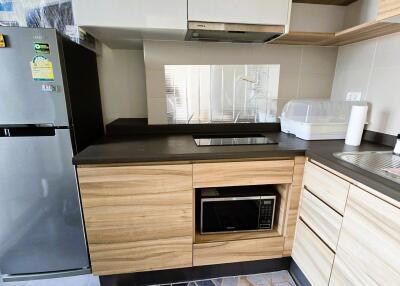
(355,80)
(384,93)
(225,53)
(373,68)
(158,53)
(388,52)
(304,71)
(315,85)
(289,57)
(289,85)
(356,56)
(318,60)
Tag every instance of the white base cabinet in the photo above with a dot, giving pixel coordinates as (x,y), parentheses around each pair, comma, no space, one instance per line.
(357,244)
(369,244)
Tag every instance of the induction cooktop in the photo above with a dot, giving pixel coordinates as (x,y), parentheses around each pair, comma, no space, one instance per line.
(233,139)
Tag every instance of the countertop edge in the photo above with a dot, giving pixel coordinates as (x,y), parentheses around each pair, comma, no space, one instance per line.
(364,177)
(191,157)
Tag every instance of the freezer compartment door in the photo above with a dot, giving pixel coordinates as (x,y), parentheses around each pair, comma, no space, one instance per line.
(31,94)
(40,215)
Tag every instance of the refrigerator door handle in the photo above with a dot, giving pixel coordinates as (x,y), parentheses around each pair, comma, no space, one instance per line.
(27,131)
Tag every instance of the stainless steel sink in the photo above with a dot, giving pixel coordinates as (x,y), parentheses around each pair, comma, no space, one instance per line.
(374,162)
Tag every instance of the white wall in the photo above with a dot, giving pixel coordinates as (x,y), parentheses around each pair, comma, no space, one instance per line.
(317,18)
(361,11)
(122,84)
(373,68)
(306,72)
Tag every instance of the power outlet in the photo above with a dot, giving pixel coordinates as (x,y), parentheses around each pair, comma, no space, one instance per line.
(353,96)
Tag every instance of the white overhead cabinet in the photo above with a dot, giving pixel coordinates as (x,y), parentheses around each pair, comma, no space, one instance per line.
(125,23)
(260,12)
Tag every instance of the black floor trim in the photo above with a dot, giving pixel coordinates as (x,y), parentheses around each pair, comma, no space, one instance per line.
(196,273)
(298,275)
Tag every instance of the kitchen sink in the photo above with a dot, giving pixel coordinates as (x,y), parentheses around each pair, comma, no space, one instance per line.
(377,162)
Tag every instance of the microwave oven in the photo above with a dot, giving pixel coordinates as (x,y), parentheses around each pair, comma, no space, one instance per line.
(236,209)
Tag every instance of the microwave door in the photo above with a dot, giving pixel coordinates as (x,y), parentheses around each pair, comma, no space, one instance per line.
(230,214)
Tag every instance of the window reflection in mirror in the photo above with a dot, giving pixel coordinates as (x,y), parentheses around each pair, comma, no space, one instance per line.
(198,94)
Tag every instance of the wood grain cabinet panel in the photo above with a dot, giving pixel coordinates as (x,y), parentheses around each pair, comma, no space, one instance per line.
(138,218)
(388,8)
(293,205)
(326,186)
(242,173)
(368,250)
(323,220)
(237,251)
(313,257)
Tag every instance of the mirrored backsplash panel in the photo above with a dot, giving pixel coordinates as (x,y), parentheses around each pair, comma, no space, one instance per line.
(197,94)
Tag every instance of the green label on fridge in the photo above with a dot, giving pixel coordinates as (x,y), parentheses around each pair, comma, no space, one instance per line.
(42,48)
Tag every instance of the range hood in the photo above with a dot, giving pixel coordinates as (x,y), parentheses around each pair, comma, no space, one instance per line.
(235,33)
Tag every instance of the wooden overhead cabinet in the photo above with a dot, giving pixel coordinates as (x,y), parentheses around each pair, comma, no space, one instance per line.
(138,218)
(363,20)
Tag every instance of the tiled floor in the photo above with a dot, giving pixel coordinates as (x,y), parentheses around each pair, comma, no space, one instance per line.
(280,278)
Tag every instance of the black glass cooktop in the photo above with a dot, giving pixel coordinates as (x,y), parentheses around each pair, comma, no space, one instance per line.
(230,140)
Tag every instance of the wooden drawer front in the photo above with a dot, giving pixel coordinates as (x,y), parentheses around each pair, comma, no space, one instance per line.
(368,251)
(313,257)
(242,173)
(237,251)
(323,220)
(326,186)
(138,218)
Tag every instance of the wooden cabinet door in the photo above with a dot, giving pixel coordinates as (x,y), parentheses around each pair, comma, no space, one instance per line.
(223,174)
(388,9)
(368,250)
(313,257)
(323,220)
(328,187)
(138,218)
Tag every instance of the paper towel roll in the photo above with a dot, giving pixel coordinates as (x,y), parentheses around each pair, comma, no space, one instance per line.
(358,118)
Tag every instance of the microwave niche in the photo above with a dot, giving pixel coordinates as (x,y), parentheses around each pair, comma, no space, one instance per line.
(237,209)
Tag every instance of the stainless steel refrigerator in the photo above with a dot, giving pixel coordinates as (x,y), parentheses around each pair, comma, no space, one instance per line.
(49,109)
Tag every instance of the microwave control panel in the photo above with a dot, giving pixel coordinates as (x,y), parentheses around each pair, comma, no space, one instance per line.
(267,210)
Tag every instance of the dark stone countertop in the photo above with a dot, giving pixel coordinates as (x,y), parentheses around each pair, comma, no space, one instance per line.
(158,148)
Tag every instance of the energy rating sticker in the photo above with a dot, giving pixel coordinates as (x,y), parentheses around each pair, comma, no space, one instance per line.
(42,69)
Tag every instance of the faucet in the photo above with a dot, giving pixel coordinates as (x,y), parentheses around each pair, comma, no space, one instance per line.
(396,150)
